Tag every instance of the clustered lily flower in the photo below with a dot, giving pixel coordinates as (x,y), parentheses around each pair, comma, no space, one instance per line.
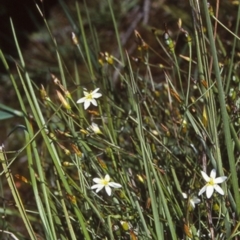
(212,184)
(89,97)
(105,182)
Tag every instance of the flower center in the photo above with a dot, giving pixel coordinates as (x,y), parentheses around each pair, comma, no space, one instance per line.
(105,182)
(89,96)
(211,182)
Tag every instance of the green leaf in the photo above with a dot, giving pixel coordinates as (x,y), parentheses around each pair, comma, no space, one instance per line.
(7,112)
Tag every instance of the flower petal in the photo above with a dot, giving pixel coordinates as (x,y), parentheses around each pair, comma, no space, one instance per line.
(94,102)
(184,195)
(213,173)
(108,190)
(97,180)
(85,93)
(209,191)
(97,95)
(196,200)
(205,176)
(86,104)
(94,127)
(95,186)
(220,179)
(115,185)
(96,90)
(192,203)
(81,100)
(203,189)
(219,189)
(107,178)
(98,186)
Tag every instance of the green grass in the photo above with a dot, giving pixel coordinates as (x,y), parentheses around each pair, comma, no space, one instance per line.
(156,135)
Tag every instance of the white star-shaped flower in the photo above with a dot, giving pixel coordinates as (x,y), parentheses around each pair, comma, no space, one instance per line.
(105,182)
(192,200)
(212,184)
(89,97)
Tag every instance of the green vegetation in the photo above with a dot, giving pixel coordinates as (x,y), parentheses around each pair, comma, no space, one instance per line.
(152,120)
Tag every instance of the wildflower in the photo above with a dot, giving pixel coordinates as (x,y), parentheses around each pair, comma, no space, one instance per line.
(105,182)
(212,183)
(192,200)
(89,98)
(94,127)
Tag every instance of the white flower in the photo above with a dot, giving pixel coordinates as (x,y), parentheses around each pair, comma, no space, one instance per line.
(94,127)
(212,183)
(89,97)
(105,182)
(192,200)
